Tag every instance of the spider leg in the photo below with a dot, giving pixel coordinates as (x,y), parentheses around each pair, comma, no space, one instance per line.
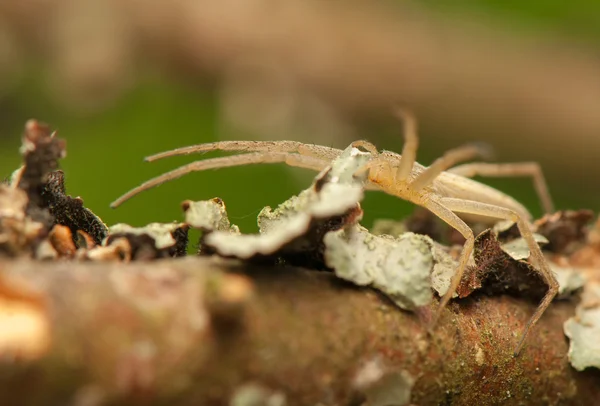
(453,220)
(411,144)
(312,150)
(531,169)
(224,162)
(473,207)
(448,160)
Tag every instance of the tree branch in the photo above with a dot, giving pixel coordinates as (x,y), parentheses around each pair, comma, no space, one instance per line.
(199,331)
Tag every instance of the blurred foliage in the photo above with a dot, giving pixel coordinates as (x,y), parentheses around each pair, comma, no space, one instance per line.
(105,149)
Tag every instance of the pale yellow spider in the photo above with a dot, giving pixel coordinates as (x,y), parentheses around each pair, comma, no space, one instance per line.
(442,188)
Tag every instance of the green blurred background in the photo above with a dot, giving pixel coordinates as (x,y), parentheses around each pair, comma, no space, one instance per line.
(106,145)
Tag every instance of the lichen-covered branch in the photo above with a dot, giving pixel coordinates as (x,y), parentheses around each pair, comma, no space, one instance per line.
(209,331)
(122,322)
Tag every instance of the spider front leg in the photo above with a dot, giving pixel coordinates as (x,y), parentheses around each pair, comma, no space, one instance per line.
(540,263)
(311,150)
(290,159)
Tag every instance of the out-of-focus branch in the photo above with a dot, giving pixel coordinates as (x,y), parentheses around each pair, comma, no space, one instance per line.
(187,332)
(361,58)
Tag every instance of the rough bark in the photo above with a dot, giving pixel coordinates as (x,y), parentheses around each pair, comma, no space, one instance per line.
(198,331)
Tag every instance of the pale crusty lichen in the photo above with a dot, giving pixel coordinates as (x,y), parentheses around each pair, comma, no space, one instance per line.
(518,248)
(253,394)
(393,389)
(332,200)
(335,191)
(160,232)
(443,269)
(399,267)
(383,385)
(208,215)
(246,246)
(390,227)
(280,227)
(583,330)
(444,265)
(569,280)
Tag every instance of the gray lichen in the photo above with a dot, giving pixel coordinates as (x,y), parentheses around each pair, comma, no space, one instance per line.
(288,222)
(335,191)
(569,280)
(444,269)
(583,330)
(390,227)
(399,267)
(518,248)
(162,233)
(253,394)
(383,385)
(394,389)
(245,246)
(208,215)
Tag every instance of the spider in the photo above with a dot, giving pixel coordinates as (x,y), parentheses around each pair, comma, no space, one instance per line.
(443,188)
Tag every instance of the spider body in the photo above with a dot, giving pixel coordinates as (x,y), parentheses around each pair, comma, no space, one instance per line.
(446,184)
(443,188)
